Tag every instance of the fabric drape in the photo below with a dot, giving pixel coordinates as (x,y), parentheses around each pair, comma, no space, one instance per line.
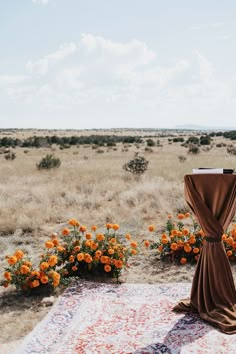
(212,198)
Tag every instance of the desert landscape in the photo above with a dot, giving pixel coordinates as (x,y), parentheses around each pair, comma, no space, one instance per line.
(92,186)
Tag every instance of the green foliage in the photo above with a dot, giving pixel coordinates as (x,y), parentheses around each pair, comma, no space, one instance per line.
(48,162)
(178,140)
(137,166)
(205,140)
(193,140)
(150,142)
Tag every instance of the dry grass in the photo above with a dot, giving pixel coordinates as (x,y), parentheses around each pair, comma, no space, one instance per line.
(94,188)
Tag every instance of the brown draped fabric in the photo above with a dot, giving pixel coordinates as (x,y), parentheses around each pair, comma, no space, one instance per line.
(212,197)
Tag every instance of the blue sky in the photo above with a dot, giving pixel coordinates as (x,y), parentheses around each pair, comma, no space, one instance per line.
(108,63)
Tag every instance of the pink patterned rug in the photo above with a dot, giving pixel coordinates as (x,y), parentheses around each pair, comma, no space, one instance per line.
(96,318)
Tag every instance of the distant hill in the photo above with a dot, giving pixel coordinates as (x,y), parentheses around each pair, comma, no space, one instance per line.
(202,127)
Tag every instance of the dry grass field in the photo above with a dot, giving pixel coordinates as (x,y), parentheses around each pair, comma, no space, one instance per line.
(92,187)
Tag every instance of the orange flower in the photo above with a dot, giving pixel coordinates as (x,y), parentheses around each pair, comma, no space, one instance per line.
(164,236)
(174,246)
(151,228)
(201,233)
(77,248)
(104,259)
(133,244)
(87,243)
(44,279)
(180,243)
(49,244)
(12,260)
(56,283)
(107,268)
(44,266)
(146,243)
(65,232)
(82,228)
(196,257)
(230,241)
(192,240)
(7,276)
(110,251)
(183,260)
(185,232)
(94,245)
(56,276)
(109,226)
(133,251)
(80,257)
(224,237)
(24,269)
(55,242)
(174,232)
(160,248)
(98,253)
(169,216)
(187,215)
(74,268)
(35,273)
(196,250)
(229,253)
(88,236)
(28,264)
(179,233)
(187,248)
(88,258)
(128,237)
(115,227)
(94,228)
(100,237)
(73,222)
(180,216)
(34,284)
(5,284)
(113,240)
(118,263)
(52,261)
(71,259)
(60,249)
(19,254)
(164,241)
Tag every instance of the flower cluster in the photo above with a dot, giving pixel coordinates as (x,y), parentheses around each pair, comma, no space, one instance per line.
(182,243)
(21,273)
(76,251)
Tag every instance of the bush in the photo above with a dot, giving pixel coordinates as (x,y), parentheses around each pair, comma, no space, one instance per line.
(150,142)
(10,156)
(182,158)
(48,162)
(231,150)
(137,166)
(193,140)
(205,140)
(193,149)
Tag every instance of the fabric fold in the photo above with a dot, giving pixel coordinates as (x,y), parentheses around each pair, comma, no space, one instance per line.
(213,296)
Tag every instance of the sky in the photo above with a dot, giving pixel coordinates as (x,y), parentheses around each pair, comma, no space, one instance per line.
(73,64)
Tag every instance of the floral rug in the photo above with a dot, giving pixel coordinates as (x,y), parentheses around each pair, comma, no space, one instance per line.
(95,318)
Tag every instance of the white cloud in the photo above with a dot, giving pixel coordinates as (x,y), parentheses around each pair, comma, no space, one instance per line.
(41,2)
(97,75)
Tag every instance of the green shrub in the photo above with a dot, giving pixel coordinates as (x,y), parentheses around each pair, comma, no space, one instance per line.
(48,162)
(10,156)
(150,142)
(137,166)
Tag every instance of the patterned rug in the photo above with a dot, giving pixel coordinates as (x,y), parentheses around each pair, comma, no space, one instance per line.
(97,318)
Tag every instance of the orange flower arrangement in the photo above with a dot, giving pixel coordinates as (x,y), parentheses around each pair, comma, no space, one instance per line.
(183,240)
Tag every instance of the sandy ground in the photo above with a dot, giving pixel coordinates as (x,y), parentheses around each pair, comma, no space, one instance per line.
(19,313)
